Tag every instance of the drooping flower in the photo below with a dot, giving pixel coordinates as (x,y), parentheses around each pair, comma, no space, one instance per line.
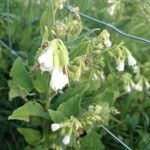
(58,79)
(111,9)
(120,66)
(45,60)
(127,88)
(131,60)
(66,139)
(55,126)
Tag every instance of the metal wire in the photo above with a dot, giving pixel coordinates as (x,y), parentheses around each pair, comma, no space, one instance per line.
(116,138)
(70,8)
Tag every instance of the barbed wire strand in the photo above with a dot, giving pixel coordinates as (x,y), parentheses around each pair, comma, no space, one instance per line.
(71,8)
(116,137)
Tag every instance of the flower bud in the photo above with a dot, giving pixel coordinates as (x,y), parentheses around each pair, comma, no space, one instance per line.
(139,87)
(127,88)
(120,66)
(66,139)
(131,60)
(108,43)
(55,126)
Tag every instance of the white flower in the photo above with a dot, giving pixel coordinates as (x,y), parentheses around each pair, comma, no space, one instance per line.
(133,85)
(120,66)
(139,87)
(108,43)
(147,85)
(55,126)
(131,60)
(111,9)
(136,69)
(127,88)
(61,6)
(45,60)
(66,140)
(58,80)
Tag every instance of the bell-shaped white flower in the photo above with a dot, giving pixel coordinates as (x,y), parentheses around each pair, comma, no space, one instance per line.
(139,87)
(66,139)
(58,79)
(111,9)
(55,126)
(108,43)
(120,66)
(45,60)
(131,60)
(127,88)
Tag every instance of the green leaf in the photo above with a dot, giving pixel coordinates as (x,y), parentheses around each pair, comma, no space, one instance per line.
(107,96)
(67,109)
(31,136)
(56,116)
(27,110)
(94,85)
(41,82)
(79,88)
(16,91)
(91,141)
(21,83)
(81,49)
(21,76)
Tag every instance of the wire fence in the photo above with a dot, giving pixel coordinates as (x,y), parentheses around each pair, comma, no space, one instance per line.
(70,8)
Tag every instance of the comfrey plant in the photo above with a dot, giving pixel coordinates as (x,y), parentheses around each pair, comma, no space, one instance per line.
(71,89)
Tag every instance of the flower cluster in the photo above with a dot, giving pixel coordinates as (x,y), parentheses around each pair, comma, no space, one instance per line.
(129,84)
(54,59)
(75,127)
(131,62)
(71,26)
(105,38)
(68,128)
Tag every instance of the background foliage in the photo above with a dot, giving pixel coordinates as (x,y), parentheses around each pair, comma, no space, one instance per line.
(20,35)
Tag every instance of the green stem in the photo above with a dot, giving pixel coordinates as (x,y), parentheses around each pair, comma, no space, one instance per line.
(48,99)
